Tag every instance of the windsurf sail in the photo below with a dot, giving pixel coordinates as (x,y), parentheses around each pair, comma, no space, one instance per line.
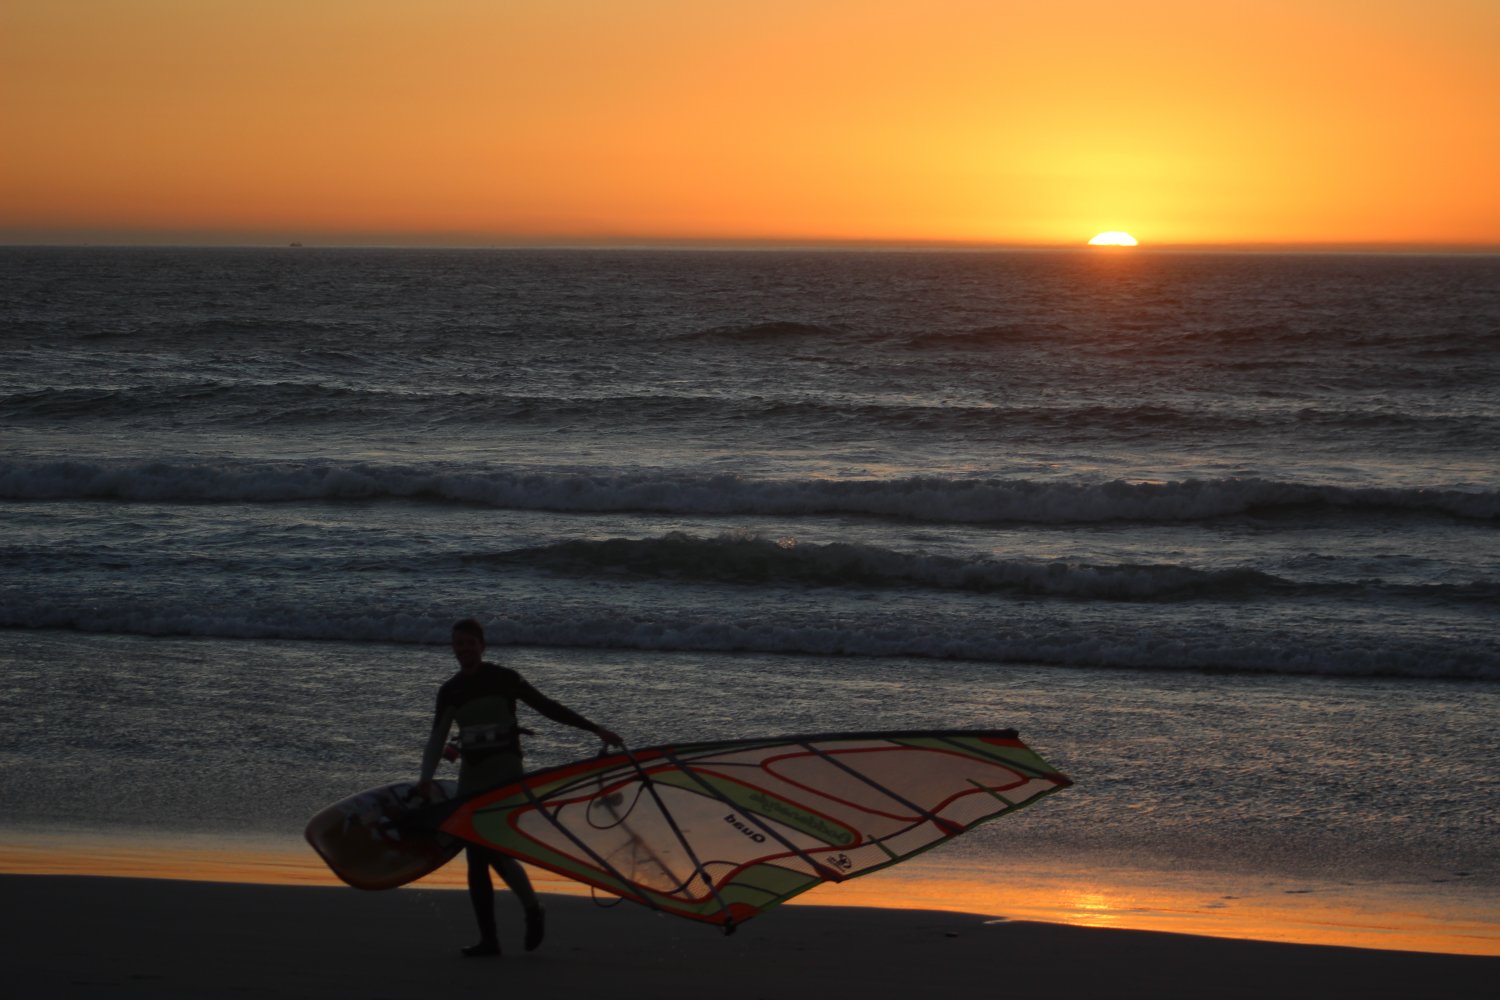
(719,832)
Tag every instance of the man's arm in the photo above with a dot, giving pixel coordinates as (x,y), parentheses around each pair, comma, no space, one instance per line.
(442,722)
(558,712)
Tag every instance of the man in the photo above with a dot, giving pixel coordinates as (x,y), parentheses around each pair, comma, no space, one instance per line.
(482,698)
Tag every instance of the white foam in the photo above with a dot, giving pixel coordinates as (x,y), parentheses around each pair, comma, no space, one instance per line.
(1353,655)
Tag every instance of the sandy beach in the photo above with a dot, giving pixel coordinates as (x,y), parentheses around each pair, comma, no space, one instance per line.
(120,937)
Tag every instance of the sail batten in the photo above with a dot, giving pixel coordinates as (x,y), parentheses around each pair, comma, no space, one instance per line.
(721,831)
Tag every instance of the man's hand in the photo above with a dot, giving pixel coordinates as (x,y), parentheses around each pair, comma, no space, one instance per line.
(424,788)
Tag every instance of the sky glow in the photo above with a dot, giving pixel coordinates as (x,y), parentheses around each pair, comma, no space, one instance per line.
(948,121)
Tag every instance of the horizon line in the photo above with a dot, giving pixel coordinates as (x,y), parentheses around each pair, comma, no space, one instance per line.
(418,241)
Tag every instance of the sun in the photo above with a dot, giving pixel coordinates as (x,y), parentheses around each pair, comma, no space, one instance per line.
(1113,239)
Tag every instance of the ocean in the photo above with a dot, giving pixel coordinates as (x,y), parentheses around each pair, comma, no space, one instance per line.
(1216,532)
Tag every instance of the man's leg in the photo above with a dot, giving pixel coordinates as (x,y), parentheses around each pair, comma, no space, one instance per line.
(517,881)
(482,897)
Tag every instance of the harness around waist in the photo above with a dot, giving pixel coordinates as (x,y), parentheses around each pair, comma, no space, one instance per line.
(488,739)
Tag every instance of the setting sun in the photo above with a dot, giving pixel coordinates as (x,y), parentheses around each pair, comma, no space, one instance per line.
(1113,239)
(470,123)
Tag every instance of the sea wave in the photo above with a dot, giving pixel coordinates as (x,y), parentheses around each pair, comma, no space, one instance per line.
(1166,333)
(742,559)
(1201,649)
(923,498)
(746,559)
(309,401)
(774,331)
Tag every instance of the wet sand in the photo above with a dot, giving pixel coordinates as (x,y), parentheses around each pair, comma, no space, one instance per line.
(76,936)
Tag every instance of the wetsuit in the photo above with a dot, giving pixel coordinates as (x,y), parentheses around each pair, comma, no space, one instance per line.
(483,704)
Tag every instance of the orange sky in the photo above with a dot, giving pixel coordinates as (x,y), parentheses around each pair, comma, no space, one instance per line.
(526,121)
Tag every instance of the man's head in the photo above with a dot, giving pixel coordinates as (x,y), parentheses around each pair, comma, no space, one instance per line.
(468,643)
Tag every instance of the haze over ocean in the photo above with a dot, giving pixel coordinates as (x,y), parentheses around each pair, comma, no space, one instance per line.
(1215,532)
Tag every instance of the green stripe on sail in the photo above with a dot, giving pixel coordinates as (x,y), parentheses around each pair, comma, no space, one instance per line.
(770,807)
(755,883)
(1022,758)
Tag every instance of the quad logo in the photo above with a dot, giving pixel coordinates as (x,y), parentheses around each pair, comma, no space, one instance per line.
(745,828)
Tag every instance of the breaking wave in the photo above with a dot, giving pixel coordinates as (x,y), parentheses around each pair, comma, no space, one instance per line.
(921,498)
(741,559)
(738,558)
(1339,655)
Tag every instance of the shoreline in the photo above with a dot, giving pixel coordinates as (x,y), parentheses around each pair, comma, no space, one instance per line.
(124,937)
(1447,919)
